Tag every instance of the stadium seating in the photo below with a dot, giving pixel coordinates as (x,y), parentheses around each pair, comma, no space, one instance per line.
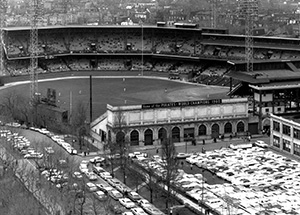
(15,46)
(135,43)
(131,42)
(55,65)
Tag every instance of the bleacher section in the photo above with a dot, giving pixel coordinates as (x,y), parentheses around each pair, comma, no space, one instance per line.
(120,48)
(131,40)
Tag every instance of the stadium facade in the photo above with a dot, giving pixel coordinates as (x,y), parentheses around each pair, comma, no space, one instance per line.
(148,124)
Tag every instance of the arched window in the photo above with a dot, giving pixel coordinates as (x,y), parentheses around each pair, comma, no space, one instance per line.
(227,128)
(134,138)
(240,127)
(148,137)
(120,138)
(202,130)
(162,134)
(215,130)
(176,134)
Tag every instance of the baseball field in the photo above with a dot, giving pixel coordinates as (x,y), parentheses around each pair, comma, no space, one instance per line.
(118,91)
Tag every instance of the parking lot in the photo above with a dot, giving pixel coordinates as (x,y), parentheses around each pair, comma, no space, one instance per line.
(255,180)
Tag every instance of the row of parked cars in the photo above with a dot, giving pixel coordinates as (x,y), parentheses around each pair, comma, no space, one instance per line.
(22,144)
(115,189)
(59,139)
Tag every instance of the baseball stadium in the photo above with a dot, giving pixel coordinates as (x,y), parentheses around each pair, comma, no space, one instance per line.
(182,81)
(133,65)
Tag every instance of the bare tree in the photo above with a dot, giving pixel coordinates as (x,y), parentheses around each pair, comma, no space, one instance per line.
(13,197)
(78,123)
(121,144)
(145,176)
(170,165)
(8,106)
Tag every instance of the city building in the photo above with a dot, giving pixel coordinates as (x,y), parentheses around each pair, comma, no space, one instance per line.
(148,124)
(285,133)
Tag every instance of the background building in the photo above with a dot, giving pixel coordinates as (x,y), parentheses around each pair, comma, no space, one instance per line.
(285,133)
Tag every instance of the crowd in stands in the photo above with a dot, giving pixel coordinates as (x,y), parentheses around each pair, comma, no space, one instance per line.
(52,46)
(116,41)
(138,42)
(60,64)
(214,75)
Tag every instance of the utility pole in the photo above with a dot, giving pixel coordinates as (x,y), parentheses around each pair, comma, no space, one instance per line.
(65,4)
(298,12)
(91,99)
(3,7)
(142,50)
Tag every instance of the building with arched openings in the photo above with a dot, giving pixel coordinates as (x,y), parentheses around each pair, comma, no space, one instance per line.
(148,124)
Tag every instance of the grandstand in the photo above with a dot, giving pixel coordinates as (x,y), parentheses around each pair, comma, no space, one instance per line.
(206,56)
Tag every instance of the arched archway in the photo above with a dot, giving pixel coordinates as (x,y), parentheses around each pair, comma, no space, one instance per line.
(240,127)
(202,130)
(266,125)
(134,138)
(228,128)
(162,134)
(120,137)
(148,137)
(176,134)
(215,130)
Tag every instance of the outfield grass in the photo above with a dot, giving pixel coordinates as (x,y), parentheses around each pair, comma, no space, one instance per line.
(121,91)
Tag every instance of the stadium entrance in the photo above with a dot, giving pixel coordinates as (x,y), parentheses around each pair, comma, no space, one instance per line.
(149,124)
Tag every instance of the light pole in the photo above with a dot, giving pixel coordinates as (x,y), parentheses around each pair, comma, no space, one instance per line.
(298,11)
(142,49)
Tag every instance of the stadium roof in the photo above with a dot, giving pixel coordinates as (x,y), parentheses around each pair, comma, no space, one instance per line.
(265,76)
(246,77)
(277,85)
(275,74)
(26,28)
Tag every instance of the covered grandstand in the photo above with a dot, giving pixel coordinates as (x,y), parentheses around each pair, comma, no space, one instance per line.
(199,56)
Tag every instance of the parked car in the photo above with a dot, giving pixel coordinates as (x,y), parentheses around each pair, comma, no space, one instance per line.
(91,187)
(143,203)
(138,211)
(77,175)
(152,210)
(83,168)
(100,195)
(105,175)
(105,188)
(137,154)
(33,155)
(49,150)
(127,203)
(115,194)
(181,155)
(97,159)
(134,196)
(91,176)
(98,169)
(115,156)
(127,213)
(113,182)
(261,144)
(122,188)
